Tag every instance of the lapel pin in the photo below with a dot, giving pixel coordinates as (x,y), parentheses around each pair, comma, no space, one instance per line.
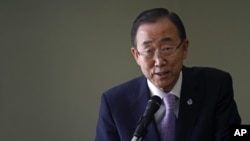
(189,101)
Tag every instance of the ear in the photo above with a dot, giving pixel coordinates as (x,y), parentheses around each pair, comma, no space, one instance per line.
(185,48)
(135,55)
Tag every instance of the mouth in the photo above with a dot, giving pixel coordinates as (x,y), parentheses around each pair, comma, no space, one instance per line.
(164,74)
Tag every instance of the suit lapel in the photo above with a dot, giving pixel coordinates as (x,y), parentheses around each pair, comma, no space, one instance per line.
(189,105)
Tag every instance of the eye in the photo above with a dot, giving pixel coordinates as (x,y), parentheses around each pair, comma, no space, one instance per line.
(150,51)
(167,48)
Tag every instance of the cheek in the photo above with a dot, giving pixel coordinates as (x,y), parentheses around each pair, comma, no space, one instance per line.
(146,67)
(176,64)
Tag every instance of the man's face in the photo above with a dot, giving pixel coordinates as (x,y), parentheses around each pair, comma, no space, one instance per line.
(163,71)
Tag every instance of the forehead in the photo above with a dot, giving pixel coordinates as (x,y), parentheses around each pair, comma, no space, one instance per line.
(161,30)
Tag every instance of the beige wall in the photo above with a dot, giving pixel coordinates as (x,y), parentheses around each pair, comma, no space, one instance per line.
(56,58)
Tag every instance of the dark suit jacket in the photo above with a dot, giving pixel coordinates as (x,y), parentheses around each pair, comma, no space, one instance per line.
(208,118)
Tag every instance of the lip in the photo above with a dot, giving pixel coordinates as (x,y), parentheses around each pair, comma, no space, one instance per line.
(162,75)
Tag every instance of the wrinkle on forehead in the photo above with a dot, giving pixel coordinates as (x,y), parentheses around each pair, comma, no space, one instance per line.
(163,31)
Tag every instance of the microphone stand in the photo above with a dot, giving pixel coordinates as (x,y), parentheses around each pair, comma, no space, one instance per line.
(136,138)
(141,129)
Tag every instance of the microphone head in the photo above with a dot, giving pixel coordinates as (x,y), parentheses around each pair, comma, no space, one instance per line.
(153,105)
(156,99)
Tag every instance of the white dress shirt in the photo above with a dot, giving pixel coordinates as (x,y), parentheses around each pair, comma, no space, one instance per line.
(175,91)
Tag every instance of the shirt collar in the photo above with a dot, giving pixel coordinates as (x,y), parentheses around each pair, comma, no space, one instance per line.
(176,90)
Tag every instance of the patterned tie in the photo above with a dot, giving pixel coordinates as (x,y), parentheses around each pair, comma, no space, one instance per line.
(169,120)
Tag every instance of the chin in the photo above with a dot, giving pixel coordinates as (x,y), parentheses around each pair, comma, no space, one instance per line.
(166,86)
(162,86)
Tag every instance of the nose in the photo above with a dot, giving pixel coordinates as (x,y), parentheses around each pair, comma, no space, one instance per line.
(159,59)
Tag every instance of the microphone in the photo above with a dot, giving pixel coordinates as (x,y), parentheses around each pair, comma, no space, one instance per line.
(153,105)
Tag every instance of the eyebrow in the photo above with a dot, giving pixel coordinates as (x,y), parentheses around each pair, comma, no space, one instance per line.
(147,42)
(167,39)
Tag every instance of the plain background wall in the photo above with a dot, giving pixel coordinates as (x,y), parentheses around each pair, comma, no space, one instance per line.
(57,57)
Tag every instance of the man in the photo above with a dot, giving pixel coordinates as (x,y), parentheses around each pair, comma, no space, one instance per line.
(204,106)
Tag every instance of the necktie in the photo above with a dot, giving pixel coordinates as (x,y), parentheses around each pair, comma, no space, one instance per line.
(169,119)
